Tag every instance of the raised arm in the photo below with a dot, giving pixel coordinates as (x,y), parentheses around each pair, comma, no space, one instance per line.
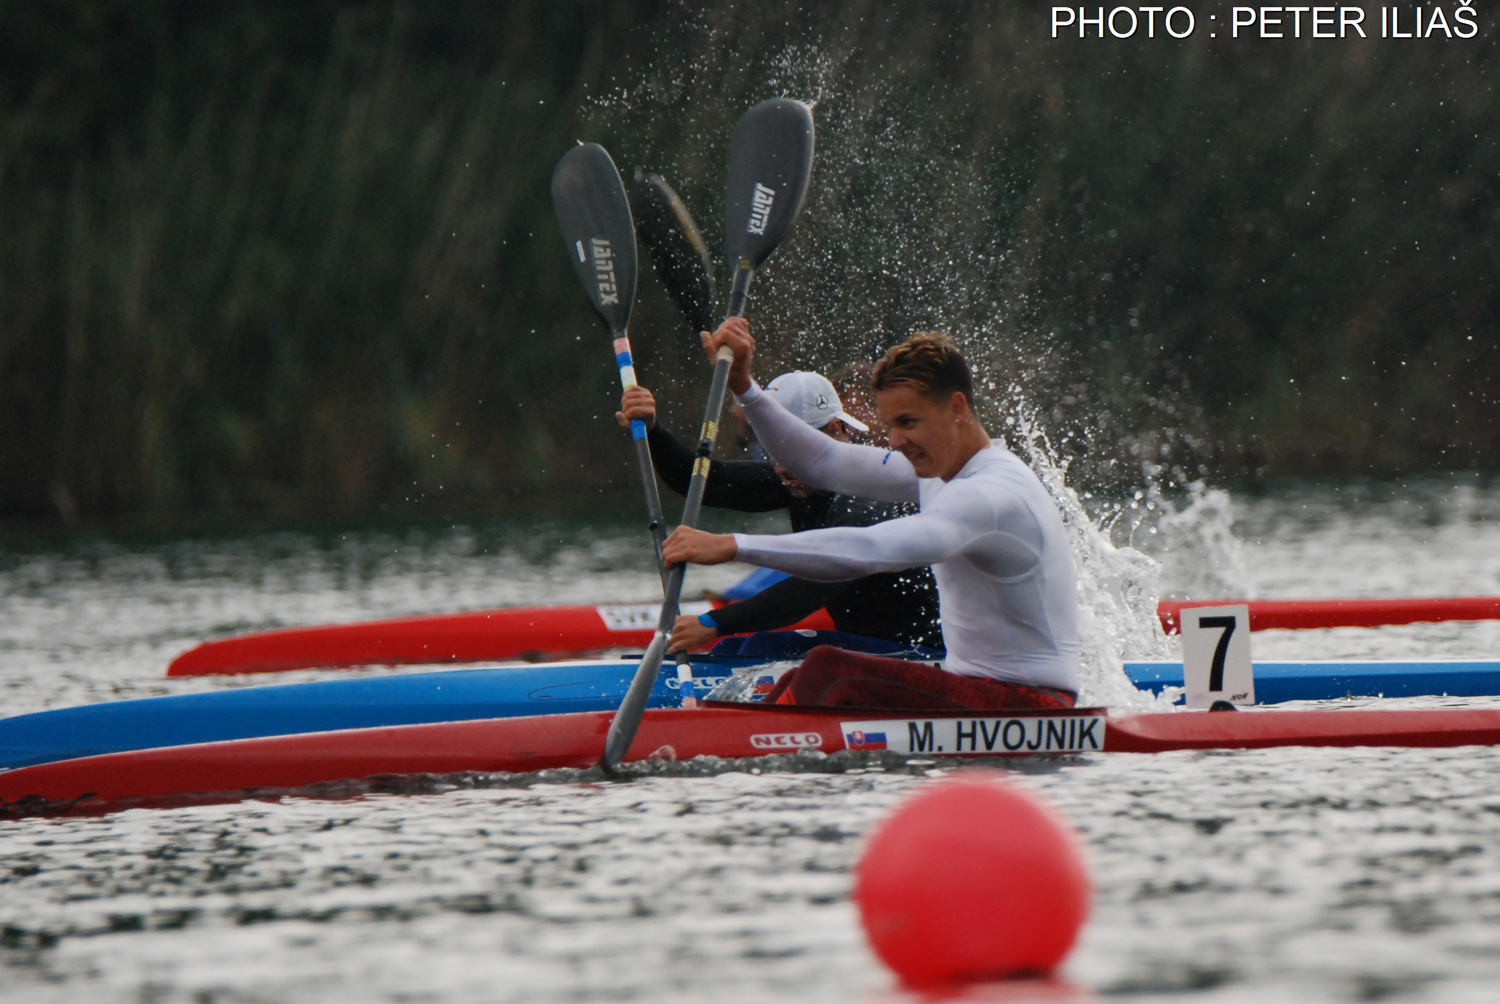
(810,456)
(824,462)
(742,485)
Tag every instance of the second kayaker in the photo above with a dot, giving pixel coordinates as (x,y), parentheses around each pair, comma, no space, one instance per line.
(890,611)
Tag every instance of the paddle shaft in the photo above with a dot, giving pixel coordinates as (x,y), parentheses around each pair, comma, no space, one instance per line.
(658,523)
(622,729)
(739,292)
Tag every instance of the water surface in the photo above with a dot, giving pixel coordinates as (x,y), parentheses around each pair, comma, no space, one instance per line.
(1272,875)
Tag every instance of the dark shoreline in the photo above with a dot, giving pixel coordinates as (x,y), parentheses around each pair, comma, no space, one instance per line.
(284,260)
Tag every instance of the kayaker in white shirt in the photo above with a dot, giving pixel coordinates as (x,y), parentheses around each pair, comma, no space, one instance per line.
(1007,586)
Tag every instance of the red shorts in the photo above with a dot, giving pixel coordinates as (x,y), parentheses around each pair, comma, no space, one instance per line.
(832,677)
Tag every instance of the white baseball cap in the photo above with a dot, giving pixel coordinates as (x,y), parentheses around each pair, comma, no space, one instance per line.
(812,398)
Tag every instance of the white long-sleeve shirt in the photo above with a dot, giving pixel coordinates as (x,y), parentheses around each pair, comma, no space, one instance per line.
(1007,586)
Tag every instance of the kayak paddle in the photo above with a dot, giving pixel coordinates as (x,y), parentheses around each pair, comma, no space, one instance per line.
(680,254)
(677,249)
(593,213)
(770,163)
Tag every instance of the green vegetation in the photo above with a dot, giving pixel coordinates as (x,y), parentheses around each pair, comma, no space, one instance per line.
(291,259)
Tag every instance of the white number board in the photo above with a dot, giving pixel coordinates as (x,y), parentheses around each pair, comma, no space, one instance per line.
(1216,655)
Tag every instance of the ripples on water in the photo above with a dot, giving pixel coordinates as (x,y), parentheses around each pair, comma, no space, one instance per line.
(1259,876)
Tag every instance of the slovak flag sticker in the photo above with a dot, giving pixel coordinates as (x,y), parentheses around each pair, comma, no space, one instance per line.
(763,686)
(858,740)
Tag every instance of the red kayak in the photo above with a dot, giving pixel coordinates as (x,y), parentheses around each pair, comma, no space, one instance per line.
(523,745)
(1297,614)
(481,636)
(553,632)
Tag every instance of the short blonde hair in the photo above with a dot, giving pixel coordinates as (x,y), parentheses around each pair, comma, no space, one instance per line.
(929,363)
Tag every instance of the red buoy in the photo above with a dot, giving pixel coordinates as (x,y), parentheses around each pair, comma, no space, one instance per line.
(973,878)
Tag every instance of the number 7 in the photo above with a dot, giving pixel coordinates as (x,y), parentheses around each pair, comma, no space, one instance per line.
(1216,669)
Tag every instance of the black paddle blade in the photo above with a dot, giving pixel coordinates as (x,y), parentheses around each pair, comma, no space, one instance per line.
(770,162)
(593,213)
(676,247)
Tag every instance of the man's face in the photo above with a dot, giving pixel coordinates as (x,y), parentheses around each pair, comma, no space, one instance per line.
(923,431)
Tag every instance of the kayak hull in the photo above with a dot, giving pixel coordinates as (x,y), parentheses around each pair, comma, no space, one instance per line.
(481,636)
(1296,615)
(1279,682)
(549,688)
(329,705)
(1442,727)
(536,632)
(528,744)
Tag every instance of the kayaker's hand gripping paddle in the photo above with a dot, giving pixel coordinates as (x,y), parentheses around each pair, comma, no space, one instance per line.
(770,163)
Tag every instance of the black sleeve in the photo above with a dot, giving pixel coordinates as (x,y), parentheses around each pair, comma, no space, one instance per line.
(672,460)
(742,485)
(898,606)
(777,606)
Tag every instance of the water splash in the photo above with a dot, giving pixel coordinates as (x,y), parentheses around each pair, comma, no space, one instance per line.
(1201,556)
(741,685)
(903,228)
(1118,585)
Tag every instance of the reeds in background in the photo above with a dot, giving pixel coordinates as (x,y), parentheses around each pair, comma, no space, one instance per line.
(289,259)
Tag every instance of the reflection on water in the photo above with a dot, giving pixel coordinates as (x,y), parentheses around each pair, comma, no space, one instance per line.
(1264,875)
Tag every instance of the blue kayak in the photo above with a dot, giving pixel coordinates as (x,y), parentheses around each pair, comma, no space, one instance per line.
(585,685)
(1279,682)
(325,705)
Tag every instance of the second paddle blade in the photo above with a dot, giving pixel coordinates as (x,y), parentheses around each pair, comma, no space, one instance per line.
(593,213)
(676,248)
(770,162)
